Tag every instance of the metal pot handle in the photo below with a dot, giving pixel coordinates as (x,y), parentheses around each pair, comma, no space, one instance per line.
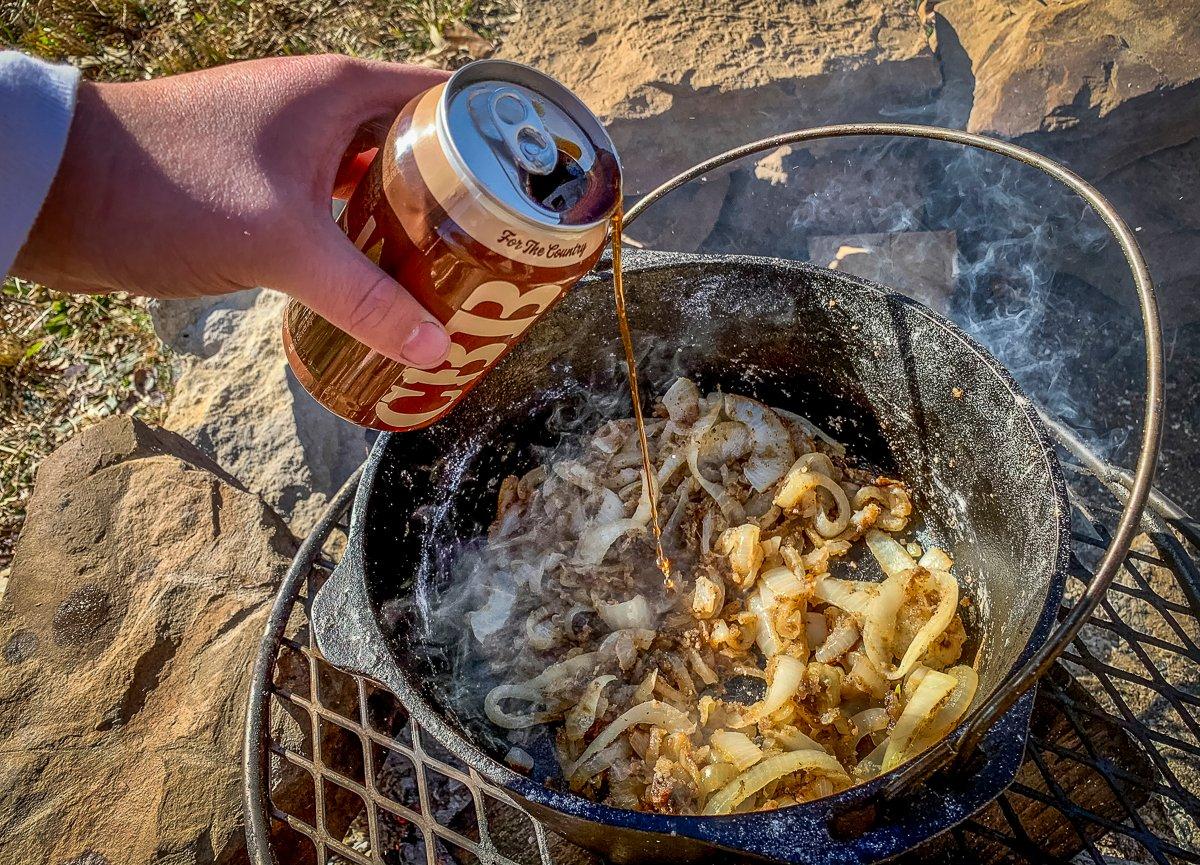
(255,791)
(1003,698)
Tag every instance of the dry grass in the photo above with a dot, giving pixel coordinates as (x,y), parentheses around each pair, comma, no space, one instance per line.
(68,361)
(131,39)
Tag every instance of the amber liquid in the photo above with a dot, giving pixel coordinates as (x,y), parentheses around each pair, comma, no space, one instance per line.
(664,564)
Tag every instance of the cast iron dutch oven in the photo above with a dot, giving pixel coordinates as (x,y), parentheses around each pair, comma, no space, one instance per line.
(902,387)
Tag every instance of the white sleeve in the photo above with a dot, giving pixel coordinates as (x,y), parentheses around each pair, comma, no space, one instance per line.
(37,100)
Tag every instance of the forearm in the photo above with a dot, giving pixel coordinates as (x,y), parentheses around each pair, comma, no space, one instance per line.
(37,101)
(210,182)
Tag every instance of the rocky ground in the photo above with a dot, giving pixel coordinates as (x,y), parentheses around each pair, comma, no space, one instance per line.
(142,575)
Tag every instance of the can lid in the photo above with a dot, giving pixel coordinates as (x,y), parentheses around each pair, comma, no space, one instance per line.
(530,144)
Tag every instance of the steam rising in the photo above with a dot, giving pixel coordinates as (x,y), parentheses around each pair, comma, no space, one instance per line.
(1035,271)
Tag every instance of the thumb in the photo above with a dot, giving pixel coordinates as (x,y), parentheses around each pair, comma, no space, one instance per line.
(341,284)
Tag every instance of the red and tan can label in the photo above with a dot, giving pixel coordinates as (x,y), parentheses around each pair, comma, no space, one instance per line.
(493,316)
(477,342)
(486,271)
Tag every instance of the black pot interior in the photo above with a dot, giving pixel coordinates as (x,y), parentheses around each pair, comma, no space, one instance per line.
(905,391)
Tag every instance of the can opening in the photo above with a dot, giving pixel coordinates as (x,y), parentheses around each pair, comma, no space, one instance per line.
(562,188)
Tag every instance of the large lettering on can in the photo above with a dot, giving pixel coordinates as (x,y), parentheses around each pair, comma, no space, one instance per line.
(491,319)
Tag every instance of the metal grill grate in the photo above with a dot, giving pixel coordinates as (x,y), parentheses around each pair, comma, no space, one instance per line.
(1112,771)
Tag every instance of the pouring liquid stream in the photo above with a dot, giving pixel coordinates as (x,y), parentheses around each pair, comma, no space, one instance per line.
(664,564)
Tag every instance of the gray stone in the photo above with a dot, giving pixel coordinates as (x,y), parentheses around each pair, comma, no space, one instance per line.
(197,326)
(240,403)
(919,264)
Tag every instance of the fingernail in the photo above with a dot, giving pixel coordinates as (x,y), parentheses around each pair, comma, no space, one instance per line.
(426,345)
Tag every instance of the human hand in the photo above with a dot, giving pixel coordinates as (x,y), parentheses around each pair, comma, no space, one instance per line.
(220,180)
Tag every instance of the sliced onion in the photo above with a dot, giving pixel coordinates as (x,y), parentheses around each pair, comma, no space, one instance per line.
(642,515)
(708,597)
(670,465)
(850,595)
(519,759)
(741,545)
(626,643)
(707,524)
(645,690)
(703,670)
(490,619)
(864,677)
(841,640)
(574,473)
(581,718)
(634,613)
(651,712)
(913,680)
(899,509)
(795,486)
(611,507)
(726,442)
(539,630)
(771,769)
(811,429)
(936,559)
(596,539)
(783,582)
(682,402)
(601,762)
(831,528)
(771,451)
(731,510)
(508,720)
(716,776)
(950,711)
(784,676)
(869,721)
(671,526)
(892,557)
(947,588)
(608,439)
(765,634)
(879,625)
(792,739)
(872,764)
(816,629)
(869,494)
(736,748)
(800,481)
(816,462)
(919,710)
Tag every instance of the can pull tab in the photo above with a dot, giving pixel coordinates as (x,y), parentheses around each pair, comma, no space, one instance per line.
(522,132)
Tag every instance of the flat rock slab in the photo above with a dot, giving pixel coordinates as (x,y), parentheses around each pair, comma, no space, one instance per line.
(677,83)
(138,595)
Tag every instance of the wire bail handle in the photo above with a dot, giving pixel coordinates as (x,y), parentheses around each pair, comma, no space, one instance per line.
(1003,697)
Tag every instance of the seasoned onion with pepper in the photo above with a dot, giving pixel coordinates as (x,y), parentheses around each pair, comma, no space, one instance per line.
(767,670)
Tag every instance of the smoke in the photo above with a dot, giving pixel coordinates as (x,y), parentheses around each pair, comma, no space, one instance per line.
(1035,276)
(1026,250)
(474,595)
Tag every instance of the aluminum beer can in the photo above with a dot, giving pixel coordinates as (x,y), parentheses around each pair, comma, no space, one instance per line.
(489,198)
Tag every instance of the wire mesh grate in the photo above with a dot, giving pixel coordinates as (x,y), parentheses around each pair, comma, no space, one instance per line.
(1111,771)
